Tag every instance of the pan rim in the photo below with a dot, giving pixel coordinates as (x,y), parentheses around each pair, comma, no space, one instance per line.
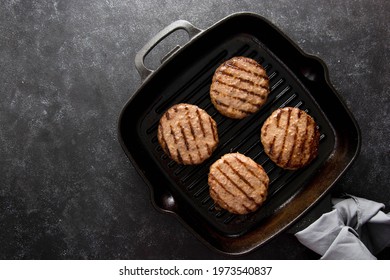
(352,158)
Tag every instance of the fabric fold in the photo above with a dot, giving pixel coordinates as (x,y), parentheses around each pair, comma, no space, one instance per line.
(355,229)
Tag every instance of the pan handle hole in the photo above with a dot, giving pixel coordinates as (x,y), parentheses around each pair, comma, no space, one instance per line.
(312,69)
(309,73)
(165,48)
(167,202)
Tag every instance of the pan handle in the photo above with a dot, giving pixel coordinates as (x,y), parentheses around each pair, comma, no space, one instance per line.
(145,72)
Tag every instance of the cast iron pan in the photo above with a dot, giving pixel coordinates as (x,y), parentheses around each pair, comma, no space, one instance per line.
(296,79)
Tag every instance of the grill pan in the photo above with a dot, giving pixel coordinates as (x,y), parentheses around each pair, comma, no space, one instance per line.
(296,79)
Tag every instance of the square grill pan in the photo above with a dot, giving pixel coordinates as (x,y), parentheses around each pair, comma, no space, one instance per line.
(296,80)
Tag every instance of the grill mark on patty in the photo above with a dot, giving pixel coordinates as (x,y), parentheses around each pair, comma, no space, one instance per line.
(208,149)
(164,143)
(215,133)
(300,141)
(285,134)
(220,199)
(173,134)
(294,144)
(278,119)
(179,157)
(222,86)
(236,109)
(221,185)
(246,166)
(221,81)
(252,83)
(216,194)
(239,93)
(199,153)
(181,129)
(303,141)
(236,97)
(200,122)
(230,96)
(235,185)
(190,125)
(191,129)
(311,139)
(193,134)
(239,175)
(265,130)
(250,61)
(271,146)
(246,208)
(239,67)
(191,160)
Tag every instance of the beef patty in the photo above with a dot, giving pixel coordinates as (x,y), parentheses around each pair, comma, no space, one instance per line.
(237,183)
(187,134)
(239,87)
(290,138)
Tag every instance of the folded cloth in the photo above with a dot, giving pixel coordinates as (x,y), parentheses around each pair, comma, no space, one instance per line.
(356,228)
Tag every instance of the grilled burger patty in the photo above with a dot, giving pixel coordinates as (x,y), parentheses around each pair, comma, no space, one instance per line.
(239,87)
(187,134)
(290,138)
(237,183)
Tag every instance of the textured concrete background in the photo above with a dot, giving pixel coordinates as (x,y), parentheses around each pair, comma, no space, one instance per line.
(67,189)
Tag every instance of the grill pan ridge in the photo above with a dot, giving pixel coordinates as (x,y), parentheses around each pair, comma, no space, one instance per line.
(296,80)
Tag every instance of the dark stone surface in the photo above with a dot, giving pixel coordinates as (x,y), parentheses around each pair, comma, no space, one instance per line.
(67,190)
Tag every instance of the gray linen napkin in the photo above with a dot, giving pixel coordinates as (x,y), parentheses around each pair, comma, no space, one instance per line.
(356,228)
